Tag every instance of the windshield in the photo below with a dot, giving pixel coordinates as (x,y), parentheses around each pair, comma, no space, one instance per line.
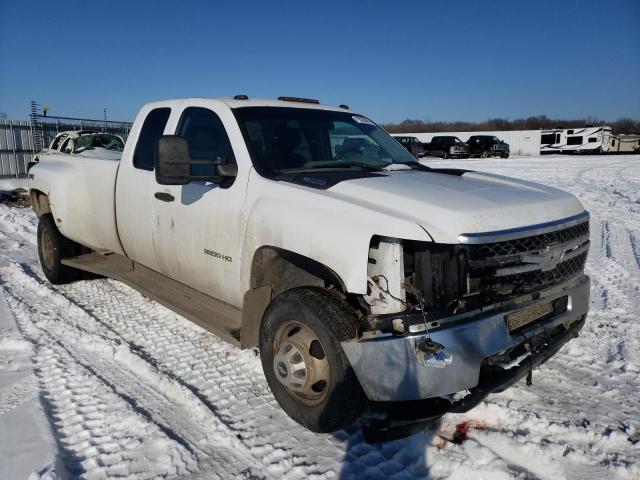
(284,140)
(101,140)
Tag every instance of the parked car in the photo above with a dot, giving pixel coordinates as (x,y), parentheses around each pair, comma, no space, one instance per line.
(447,147)
(412,144)
(83,143)
(486,146)
(78,141)
(374,287)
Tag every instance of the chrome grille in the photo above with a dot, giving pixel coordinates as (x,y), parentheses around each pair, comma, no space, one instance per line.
(530,281)
(534,243)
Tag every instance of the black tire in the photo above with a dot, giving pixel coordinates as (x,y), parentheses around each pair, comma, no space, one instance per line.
(485,154)
(52,248)
(506,155)
(342,399)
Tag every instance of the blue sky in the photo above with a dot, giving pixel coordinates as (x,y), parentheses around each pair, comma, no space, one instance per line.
(431,60)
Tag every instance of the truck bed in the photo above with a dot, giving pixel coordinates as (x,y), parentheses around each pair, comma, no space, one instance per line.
(82,196)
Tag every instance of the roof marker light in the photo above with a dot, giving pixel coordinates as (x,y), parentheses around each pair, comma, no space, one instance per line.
(298,99)
(241,97)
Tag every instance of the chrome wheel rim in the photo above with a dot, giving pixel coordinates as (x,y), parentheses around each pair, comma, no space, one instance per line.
(300,363)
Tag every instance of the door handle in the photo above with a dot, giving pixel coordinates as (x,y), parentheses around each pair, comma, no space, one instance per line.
(165,197)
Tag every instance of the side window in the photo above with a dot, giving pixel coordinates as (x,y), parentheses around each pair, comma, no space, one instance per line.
(207,138)
(67,146)
(547,138)
(56,142)
(152,129)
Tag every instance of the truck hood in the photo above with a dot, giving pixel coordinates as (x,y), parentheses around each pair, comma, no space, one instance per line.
(449,203)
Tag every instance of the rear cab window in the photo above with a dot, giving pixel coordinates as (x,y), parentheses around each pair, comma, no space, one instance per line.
(152,129)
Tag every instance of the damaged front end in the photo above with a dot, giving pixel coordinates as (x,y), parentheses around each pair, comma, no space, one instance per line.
(449,324)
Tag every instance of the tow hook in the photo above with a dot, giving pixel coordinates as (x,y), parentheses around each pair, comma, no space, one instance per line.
(432,354)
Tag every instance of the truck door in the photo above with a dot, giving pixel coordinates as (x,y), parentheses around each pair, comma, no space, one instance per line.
(138,211)
(201,245)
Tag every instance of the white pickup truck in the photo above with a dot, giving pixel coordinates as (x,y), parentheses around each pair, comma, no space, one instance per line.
(376,288)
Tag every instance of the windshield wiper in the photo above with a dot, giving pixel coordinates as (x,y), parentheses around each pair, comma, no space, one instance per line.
(350,164)
(417,166)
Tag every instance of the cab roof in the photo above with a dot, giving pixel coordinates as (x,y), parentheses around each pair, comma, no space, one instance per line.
(232,102)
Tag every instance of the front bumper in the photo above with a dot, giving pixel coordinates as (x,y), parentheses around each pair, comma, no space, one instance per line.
(458,152)
(389,370)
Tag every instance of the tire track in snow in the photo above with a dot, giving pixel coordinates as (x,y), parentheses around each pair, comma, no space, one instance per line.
(99,432)
(155,396)
(635,247)
(18,394)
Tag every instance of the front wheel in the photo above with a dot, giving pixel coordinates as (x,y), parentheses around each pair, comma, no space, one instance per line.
(485,154)
(505,155)
(306,369)
(445,155)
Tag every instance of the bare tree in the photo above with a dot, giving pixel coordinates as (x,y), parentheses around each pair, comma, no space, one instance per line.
(622,125)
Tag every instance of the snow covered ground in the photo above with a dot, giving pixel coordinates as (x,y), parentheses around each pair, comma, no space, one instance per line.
(96,381)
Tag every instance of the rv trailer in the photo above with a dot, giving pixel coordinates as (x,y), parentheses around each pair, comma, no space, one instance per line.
(575,140)
(624,143)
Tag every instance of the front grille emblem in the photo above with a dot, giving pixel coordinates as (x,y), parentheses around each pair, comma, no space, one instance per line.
(546,259)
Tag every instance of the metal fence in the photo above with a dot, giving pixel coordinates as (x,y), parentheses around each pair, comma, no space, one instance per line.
(20,139)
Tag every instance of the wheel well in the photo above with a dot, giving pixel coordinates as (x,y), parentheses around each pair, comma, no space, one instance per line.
(39,202)
(282,270)
(273,271)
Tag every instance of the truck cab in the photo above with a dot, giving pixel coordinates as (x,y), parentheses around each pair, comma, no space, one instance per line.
(370,283)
